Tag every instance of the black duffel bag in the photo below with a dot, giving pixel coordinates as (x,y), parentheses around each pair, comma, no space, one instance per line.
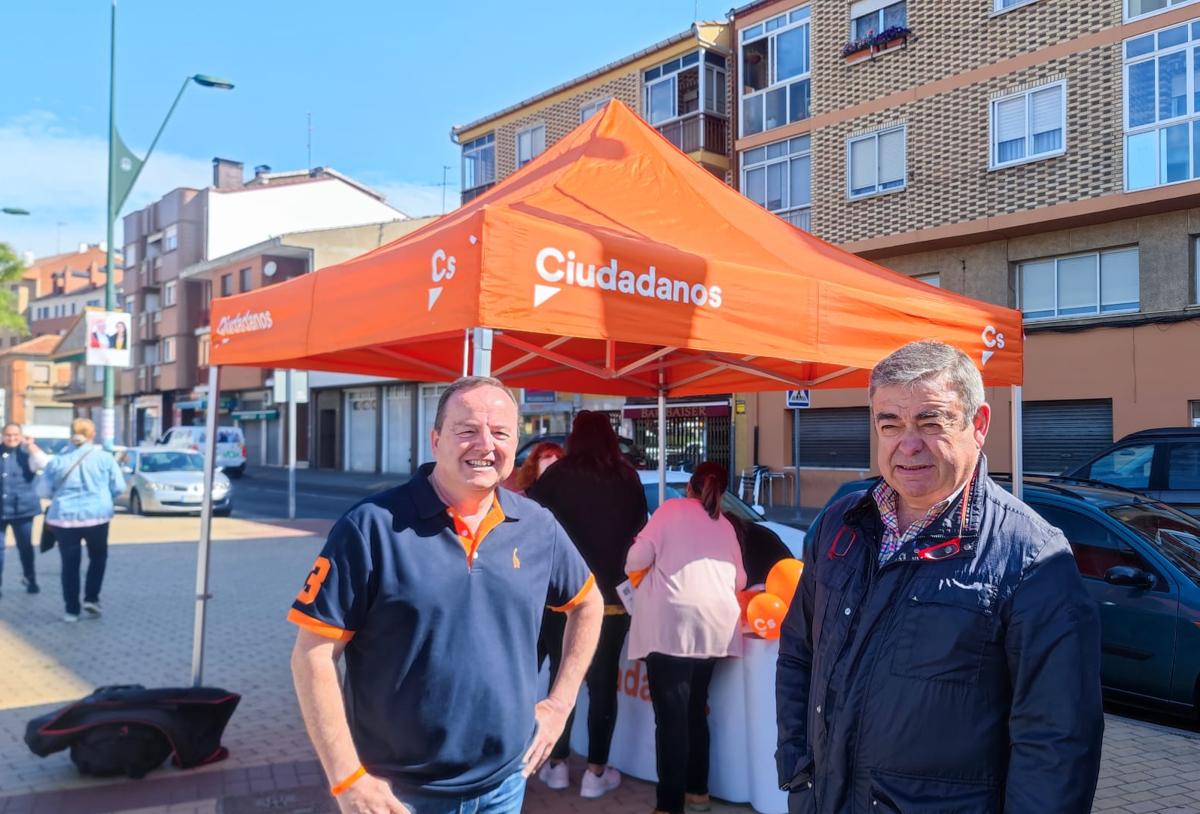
(130,730)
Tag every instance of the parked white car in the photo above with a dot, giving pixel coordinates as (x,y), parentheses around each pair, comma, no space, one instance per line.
(731,504)
(50,438)
(168,480)
(231,445)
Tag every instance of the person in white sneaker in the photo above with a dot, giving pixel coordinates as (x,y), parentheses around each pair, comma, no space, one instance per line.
(81,485)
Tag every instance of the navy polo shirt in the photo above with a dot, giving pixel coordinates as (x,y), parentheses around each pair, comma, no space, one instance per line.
(441,630)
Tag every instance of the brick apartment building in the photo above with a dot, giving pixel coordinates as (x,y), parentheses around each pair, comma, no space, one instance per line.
(187,227)
(1034,154)
(31,381)
(1037,154)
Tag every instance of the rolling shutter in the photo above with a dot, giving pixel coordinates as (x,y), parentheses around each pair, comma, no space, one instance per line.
(1057,435)
(836,437)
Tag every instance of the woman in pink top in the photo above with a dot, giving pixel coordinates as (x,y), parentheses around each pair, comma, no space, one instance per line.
(685,617)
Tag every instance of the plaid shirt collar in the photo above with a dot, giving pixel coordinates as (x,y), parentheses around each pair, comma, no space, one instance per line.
(894,538)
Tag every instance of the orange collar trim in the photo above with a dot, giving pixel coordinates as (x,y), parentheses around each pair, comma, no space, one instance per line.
(471,542)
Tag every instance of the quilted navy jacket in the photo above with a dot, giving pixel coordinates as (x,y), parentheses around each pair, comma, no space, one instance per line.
(962,676)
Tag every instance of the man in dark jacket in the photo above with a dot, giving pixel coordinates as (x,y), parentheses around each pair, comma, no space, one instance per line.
(941,654)
(18,501)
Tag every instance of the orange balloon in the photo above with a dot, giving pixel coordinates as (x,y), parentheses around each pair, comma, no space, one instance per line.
(783,578)
(765,614)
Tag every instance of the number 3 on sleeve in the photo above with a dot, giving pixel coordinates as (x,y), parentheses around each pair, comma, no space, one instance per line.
(313,583)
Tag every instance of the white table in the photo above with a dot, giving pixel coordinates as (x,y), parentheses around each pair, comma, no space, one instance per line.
(741,724)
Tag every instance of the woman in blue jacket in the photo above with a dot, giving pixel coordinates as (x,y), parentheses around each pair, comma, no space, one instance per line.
(81,484)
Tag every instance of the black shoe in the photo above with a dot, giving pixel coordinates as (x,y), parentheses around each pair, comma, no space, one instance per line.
(31,586)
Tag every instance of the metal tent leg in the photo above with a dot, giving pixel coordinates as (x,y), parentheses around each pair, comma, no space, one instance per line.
(206,513)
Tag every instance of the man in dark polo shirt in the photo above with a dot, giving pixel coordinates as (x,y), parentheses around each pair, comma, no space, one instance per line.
(434,592)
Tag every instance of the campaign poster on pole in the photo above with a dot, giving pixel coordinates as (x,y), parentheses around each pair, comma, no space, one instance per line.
(108,338)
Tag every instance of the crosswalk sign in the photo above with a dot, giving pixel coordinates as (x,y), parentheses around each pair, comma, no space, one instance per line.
(798,399)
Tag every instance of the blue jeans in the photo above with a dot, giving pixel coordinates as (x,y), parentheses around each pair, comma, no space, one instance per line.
(70,543)
(23,535)
(504,799)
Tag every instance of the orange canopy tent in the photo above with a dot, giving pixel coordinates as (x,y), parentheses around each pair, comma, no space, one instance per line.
(610,264)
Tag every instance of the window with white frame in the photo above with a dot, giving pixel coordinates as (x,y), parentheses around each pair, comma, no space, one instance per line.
(1079,285)
(531,142)
(1141,8)
(171,238)
(776,62)
(714,84)
(778,177)
(1004,5)
(1030,125)
(875,162)
(130,255)
(1162,107)
(592,108)
(168,349)
(479,162)
(934,279)
(672,90)
(203,344)
(869,18)
(169,293)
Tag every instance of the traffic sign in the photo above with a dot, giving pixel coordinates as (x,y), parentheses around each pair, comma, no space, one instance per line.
(798,399)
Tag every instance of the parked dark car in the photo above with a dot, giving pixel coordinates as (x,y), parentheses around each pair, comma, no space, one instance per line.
(1162,464)
(1140,562)
(629,449)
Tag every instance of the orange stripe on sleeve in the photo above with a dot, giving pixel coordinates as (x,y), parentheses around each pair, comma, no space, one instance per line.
(575,600)
(317,626)
(636,577)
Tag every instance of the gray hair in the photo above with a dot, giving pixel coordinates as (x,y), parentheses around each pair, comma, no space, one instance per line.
(461,386)
(928,360)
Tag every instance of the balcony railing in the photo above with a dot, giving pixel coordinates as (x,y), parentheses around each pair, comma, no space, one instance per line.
(698,131)
(148,273)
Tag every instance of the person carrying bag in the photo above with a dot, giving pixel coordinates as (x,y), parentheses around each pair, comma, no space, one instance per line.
(81,487)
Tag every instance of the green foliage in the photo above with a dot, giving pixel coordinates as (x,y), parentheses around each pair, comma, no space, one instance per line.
(11,269)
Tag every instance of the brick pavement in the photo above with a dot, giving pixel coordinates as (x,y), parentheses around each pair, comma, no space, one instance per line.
(145,636)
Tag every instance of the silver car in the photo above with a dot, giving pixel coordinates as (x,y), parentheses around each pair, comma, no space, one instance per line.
(159,479)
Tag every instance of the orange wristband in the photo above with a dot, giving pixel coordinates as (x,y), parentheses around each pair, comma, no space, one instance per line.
(338,788)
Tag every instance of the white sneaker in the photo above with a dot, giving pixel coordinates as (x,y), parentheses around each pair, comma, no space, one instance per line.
(71,617)
(92,609)
(593,786)
(554,776)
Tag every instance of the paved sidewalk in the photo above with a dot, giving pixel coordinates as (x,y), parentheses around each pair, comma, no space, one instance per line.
(145,637)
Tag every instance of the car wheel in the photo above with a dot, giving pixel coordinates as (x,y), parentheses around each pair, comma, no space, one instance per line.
(223,512)
(236,472)
(135,503)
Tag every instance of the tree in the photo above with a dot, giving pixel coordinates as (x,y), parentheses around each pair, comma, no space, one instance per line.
(11,269)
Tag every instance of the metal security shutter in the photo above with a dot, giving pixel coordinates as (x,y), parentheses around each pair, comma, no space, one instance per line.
(836,437)
(1060,434)
(253,431)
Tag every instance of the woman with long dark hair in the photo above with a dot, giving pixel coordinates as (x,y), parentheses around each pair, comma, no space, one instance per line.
(688,565)
(598,498)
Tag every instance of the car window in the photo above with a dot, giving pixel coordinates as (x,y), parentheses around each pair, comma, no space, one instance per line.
(1127,467)
(229,437)
(1173,533)
(172,462)
(730,503)
(1183,466)
(1096,548)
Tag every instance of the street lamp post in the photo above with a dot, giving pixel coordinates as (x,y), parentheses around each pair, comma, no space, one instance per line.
(123,170)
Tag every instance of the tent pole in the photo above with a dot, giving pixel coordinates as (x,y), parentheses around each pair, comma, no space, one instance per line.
(466,351)
(291,443)
(206,508)
(482,359)
(1018,446)
(662,440)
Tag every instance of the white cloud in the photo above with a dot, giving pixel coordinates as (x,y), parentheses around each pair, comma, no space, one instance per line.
(60,176)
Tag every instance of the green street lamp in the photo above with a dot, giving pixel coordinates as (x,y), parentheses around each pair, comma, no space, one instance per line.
(124,167)
(13,210)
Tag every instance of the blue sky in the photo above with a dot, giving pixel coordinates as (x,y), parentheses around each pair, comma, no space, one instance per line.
(384,82)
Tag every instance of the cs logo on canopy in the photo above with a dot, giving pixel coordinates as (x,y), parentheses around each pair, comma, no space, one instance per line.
(991,339)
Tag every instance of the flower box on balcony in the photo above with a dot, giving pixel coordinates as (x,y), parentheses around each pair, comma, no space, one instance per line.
(861,53)
(868,46)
